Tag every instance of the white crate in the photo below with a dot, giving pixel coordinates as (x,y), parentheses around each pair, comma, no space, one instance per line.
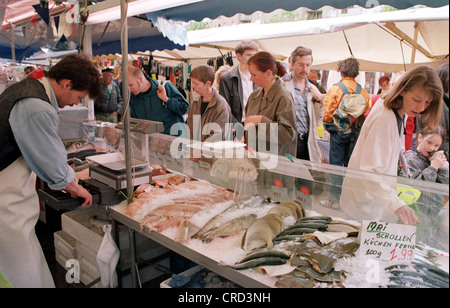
(77,224)
(64,247)
(88,240)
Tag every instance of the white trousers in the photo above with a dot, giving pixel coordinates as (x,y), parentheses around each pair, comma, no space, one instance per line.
(21,258)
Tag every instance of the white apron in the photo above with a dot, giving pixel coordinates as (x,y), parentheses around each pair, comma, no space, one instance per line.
(21,258)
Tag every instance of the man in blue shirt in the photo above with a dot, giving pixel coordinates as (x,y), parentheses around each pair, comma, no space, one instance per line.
(30,146)
(155,101)
(307,102)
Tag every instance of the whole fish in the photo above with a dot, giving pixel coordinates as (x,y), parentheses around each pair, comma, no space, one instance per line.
(331,276)
(259,262)
(229,228)
(413,276)
(312,225)
(297,231)
(261,233)
(265,254)
(252,201)
(327,218)
(289,208)
(292,237)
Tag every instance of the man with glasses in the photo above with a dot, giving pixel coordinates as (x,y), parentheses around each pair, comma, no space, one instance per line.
(307,101)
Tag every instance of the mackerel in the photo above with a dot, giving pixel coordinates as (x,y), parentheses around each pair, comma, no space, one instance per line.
(297,231)
(265,254)
(259,262)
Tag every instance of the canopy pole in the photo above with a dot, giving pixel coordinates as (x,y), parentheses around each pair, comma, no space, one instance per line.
(13,44)
(348,44)
(126,97)
(416,34)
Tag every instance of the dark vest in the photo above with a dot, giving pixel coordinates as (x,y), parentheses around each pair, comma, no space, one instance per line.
(29,87)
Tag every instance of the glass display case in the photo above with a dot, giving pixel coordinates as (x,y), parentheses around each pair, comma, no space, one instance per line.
(325,189)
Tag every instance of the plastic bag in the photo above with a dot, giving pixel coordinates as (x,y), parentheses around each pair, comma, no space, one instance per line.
(107,259)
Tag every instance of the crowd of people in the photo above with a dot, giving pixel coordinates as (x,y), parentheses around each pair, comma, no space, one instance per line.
(394,132)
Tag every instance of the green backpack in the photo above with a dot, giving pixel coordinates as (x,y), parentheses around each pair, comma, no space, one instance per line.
(349,116)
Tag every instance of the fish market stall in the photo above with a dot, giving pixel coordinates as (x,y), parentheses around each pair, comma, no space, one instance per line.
(282,226)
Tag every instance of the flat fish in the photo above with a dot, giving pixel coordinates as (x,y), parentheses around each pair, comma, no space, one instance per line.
(332,276)
(289,281)
(323,258)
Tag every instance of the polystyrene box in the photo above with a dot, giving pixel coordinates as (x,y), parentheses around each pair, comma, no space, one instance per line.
(64,247)
(78,225)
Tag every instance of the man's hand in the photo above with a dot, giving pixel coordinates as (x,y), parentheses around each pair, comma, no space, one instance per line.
(316,93)
(161,92)
(78,191)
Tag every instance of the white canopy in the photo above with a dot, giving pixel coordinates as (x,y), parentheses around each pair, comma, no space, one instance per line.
(384,42)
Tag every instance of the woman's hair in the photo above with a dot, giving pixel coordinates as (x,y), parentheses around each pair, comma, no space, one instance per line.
(264,61)
(438,130)
(219,73)
(383,79)
(349,68)
(204,73)
(80,71)
(420,76)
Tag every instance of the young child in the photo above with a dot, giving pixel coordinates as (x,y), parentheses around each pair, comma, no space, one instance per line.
(420,160)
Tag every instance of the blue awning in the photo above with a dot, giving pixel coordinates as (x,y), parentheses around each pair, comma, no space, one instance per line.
(20,50)
(215,8)
(151,43)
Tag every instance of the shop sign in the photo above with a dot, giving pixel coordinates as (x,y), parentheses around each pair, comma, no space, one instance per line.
(387,241)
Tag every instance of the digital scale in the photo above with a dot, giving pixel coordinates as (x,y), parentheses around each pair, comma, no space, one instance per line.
(111,168)
(118,179)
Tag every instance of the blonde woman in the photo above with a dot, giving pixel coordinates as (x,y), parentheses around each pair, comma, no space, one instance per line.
(220,72)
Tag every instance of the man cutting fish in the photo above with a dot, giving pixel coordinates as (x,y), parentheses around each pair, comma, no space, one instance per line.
(30,146)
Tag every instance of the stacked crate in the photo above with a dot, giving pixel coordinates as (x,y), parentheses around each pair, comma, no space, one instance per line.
(80,240)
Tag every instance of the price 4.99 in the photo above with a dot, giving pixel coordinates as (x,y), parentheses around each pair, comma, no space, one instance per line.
(405,255)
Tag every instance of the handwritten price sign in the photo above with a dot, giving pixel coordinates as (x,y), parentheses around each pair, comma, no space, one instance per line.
(387,241)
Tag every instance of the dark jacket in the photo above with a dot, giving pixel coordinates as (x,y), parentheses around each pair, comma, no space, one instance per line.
(420,168)
(109,102)
(230,88)
(29,87)
(150,107)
